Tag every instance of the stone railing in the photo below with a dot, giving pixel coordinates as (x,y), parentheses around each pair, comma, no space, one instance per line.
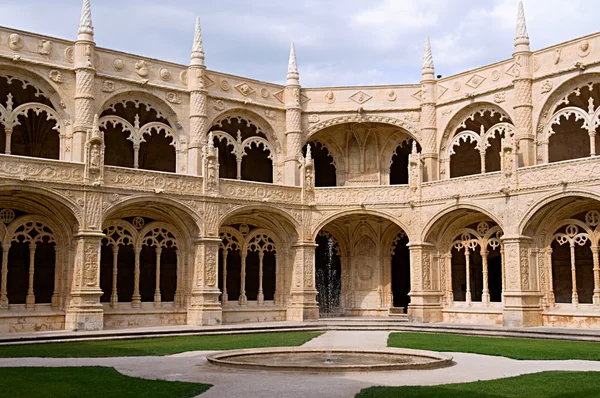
(253,191)
(467,186)
(145,180)
(24,168)
(570,171)
(362,195)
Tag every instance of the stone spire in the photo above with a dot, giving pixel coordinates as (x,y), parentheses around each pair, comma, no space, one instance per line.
(428,55)
(521,37)
(293,76)
(86,29)
(198,48)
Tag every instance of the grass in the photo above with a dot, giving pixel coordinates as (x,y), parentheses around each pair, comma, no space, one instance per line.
(89,382)
(506,347)
(537,385)
(155,346)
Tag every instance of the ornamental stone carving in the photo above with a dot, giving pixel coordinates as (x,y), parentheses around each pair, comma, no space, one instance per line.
(45,47)
(15,42)
(141,68)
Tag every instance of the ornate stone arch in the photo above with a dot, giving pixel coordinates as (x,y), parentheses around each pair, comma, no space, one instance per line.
(47,88)
(144,98)
(363,118)
(526,219)
(261,239)
(262,125)
(323,222)
(388,149)
(125,232)
(41,227)
(433,220)
(450,138)
(66,207)
(289,218)
(548,115)
(160,234)
(188,222)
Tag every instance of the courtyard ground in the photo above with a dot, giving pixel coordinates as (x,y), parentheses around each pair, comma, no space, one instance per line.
(192,367)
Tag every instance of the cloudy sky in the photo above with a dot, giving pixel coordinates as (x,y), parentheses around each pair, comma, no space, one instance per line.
(338,42)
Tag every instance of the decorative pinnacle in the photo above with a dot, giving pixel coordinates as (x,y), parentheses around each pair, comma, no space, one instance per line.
(211,141)
(85,24)
(428,55)
(308,154)
(521,24)
(292,65)
(96,124)
(414,147)
(198,48)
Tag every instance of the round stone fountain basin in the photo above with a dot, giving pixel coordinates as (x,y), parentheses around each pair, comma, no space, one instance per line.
(335,360)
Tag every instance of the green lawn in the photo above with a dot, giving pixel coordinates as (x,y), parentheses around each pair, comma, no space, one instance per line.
(499,346)
(537,385)
(89,382)
(156,346)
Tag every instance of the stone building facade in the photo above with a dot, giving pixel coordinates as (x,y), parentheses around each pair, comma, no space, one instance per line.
(138,192)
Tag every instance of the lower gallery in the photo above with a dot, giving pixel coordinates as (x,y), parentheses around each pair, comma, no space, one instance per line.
(138,192)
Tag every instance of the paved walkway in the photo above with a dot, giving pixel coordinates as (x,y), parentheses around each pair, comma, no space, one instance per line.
(193,367)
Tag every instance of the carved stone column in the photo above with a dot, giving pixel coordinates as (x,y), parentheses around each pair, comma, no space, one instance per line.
(428,116)
(85,74)
(85,311)
(303,304)
(204,307)
(522,302)
(293,124)
(425,302)
(523,84)
(198,104)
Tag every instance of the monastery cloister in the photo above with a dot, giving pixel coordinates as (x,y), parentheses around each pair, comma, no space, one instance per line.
(138,192)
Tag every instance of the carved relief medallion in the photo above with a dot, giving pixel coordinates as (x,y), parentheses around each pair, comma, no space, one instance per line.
(330,97)
(15,42)
(390,95)
(165,74)
(108,86)
(584,48)
(264,93)
(118,64)
(224,84)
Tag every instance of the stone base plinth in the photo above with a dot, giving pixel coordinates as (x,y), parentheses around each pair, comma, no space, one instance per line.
(84,319)
(425,307)
(522,309)
(205,308)
(303,307)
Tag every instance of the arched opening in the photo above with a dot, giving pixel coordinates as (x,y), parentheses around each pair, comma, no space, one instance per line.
(30,126)
(31,264)
(156,153)
(256,164)
(138,135)
(465,160)
(401,272)
(472,251)
(248,265)
(566,232)
(475,144)
(244,150)
(325,173)
(399,166)
(355,261)
(328,275)
(363,153)
(570,130)
(574,120)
